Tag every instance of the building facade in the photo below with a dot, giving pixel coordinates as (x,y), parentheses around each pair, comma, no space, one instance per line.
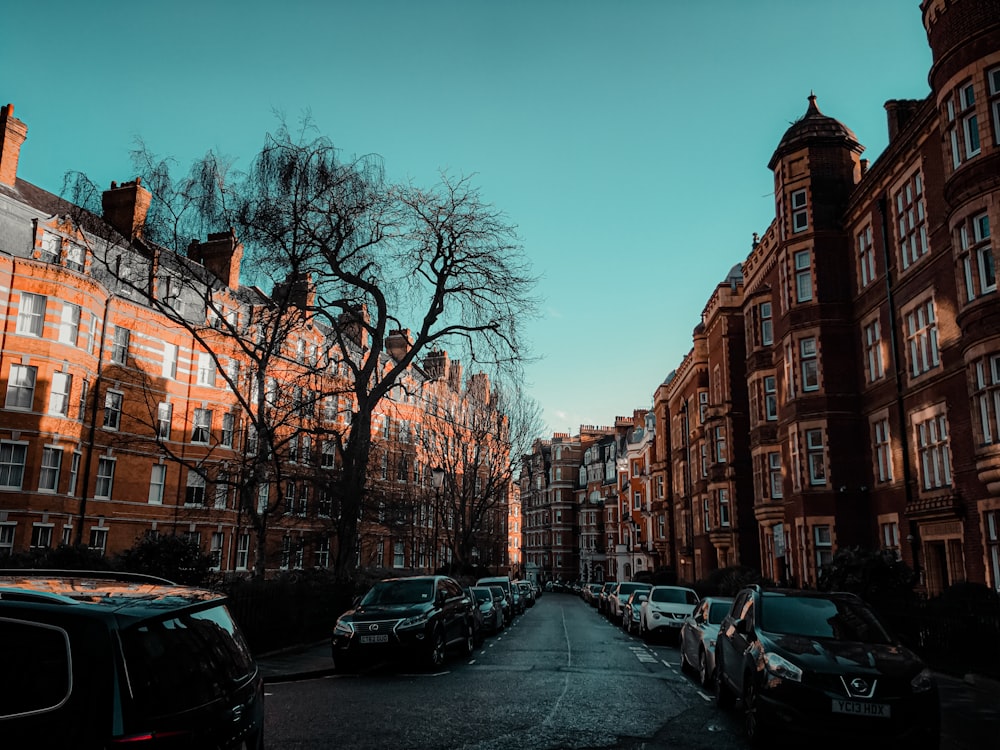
(117,422)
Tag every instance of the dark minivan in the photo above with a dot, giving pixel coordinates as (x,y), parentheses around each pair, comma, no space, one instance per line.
(98,660)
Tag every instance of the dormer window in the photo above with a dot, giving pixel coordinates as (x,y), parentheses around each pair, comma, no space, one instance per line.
(800,213)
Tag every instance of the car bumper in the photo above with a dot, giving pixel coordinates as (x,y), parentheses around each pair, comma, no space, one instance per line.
(791,709)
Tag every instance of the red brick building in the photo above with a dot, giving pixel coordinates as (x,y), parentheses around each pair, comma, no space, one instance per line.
(117,423)
(869,385)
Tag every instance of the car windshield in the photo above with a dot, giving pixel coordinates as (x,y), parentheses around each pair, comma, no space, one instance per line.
(482,595)
(717,612)
(497,592)
(818,617)
(673,596)
(400,592)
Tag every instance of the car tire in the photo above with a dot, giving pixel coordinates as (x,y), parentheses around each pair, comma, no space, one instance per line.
(435,651)
(703,675)
(469,642)
(754,726)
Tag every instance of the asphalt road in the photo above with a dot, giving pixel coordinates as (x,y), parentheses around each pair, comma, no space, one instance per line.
(560,677)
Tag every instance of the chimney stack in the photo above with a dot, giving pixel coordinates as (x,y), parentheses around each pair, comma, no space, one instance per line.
(12,135)
(125,207)
(221,254)
(398,343)
(297,289)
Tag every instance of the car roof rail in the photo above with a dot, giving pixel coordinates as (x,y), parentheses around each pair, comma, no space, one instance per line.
(109,575)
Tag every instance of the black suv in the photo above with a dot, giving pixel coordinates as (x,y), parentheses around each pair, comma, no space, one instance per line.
(98,660)
(822,663)
(418,617)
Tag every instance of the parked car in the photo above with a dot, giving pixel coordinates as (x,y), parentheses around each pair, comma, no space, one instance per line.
(618,595)
(602,597)
(698,636)
(824,663)
(96,659)
(478,620)
(417,618)
(516,599)
(491,608)
(591,592)
(505,583)
(632,611)
(503,603)
(527,593)
(666,609)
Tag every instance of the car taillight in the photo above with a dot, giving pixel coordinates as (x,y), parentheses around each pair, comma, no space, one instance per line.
(150,737)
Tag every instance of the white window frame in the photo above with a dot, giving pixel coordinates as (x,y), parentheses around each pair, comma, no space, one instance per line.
(882,438)
(31,314)
(800,211)
(803,276)
(21,382)
(59,393)
(809,363)
(114,402)
(775,477)
(195,489)
(157,483)
(766,324)
(201,426)
(69,324)
(242,551)
(105,482)
(816,456)
(49,469)
(206,369)
(164,420)
(920,324)
(120,345)
(98,539)
(169,366)
(874,364)
(866,257)
(933,446)
(13,457)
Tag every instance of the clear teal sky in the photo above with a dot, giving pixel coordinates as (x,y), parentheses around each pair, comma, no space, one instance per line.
(627,139)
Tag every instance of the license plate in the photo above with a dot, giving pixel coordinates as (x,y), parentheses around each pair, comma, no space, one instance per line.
(381,638)
(861,708)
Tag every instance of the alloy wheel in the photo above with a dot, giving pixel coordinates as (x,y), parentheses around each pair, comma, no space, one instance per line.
(435,656)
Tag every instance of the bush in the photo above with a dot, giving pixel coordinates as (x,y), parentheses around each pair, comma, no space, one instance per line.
(176,558)
(875,575)
(63,557)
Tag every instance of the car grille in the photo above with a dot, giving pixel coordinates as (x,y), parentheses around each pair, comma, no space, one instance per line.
(377,627)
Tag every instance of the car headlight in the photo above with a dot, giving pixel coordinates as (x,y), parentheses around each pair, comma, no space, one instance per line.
(922,682)
(781,667)
(415,621)
(343,628)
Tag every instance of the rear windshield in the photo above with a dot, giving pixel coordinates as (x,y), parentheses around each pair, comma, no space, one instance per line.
(184,662)
(815,617)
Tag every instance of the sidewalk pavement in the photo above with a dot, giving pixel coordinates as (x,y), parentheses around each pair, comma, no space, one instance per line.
(297,663)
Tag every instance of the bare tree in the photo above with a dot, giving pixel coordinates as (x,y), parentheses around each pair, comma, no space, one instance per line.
(360,259)
(489,431)
(382,255)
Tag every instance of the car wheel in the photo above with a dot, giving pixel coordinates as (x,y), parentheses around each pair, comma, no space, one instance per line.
(724,697)
(703,674)
(469,644)
(753,724)
(435,652)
